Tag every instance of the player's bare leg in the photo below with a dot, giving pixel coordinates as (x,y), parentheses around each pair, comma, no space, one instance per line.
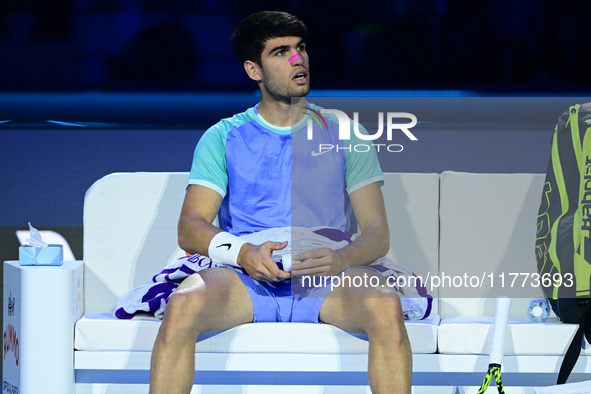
(212,300)
(377,312)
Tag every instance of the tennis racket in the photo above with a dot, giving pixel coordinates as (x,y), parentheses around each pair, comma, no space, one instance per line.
(497,345)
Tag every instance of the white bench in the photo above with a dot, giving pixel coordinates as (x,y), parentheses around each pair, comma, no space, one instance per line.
(436,222)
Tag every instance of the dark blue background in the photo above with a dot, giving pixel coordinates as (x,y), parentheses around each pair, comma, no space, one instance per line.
(183,45)
(46,168)
(45,172)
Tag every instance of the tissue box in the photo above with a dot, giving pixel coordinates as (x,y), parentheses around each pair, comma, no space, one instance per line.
(40,255)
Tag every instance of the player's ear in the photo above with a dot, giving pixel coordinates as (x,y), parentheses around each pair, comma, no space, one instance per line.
(253,70)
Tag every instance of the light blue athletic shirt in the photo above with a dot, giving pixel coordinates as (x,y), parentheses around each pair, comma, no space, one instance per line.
(269,177)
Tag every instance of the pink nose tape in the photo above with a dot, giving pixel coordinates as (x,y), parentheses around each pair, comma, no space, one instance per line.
(293,58)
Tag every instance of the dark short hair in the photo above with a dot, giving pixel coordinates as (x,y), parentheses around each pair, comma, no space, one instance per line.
(250,36)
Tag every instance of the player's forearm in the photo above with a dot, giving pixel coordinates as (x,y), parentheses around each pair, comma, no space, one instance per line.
(195,234)
(373,243)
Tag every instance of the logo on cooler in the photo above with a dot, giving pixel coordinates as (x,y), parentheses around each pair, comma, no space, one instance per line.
(11,302)
(78,303)
(9,388)
(11,342)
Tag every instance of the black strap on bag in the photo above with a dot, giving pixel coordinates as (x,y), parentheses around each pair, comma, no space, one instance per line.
(574,350)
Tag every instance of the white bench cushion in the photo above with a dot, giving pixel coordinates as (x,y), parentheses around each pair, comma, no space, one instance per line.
(466,335)
(102,332)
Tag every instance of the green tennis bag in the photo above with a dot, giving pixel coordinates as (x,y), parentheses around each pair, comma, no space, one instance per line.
(563,244)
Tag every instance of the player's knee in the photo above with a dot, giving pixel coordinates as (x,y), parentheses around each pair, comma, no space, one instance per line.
(182,314)
(384,313)
(187,305)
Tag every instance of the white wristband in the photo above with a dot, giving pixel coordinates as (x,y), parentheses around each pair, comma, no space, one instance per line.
(225,247)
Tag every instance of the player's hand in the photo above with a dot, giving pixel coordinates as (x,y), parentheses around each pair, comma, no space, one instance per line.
(319,261)
(257,261)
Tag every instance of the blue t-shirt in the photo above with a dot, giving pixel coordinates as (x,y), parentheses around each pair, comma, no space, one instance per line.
(273,176)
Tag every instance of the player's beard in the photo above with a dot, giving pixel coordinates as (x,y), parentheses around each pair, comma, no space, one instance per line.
(284,93)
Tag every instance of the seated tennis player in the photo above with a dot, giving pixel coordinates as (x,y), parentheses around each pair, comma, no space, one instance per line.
(242,170)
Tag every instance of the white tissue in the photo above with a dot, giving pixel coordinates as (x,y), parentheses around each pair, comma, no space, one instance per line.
(34,239)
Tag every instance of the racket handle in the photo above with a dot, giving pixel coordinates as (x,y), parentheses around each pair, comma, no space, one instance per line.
(497,346)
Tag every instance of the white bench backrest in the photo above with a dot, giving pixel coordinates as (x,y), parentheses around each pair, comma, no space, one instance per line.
(130,233)
(412,206)
(487,223)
